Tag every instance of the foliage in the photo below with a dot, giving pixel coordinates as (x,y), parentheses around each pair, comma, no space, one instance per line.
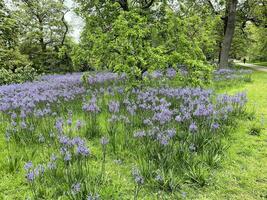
(257,50)
(198,73)
(43,33)
(14,67)
(136,41)
(20,75)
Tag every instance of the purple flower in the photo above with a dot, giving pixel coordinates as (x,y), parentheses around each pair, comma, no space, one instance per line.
(59,125)
(76,188)
(69,122)
(23,114)
(13,115)
(215,125)
(28,166)
(13,123)
(67,156)
(114,106)
(30,176)
(39,170)
(51,165)
(193,127)
(53,157)
(93,197)
(170,73)
(65,140)
(139,134)
(171,133)
(120,90)
(178,118)
(163,116)
(83,150)
(23,125)
(156,74)
(148,122)
(137,176)
(92,107)
(104,141)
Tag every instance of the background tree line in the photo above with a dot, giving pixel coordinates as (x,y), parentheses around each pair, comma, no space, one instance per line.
(132,36)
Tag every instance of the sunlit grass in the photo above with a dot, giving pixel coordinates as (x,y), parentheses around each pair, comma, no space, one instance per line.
(240,174)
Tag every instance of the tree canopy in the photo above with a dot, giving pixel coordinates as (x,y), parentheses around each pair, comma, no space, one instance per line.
(131,36)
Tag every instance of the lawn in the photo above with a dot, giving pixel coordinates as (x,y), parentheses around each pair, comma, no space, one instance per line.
(239,173)
(264,64)
(243,174)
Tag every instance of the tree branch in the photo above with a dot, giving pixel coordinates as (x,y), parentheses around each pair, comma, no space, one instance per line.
(212,7)
(124,4)
(148,4)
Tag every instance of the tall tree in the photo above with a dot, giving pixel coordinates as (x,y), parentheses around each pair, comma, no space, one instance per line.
(10,57)
(44,30)
(229,32)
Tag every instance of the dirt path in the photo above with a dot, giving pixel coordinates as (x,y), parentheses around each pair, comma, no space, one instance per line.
(255,67)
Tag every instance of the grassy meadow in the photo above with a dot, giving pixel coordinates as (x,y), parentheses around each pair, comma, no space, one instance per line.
(112,142)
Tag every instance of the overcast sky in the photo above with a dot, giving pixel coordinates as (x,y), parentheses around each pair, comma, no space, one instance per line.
(75,21)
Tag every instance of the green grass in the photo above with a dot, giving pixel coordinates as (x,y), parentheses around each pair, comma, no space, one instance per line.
(241,175)
(264,64)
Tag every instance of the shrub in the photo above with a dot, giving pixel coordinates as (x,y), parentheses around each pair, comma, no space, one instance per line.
(20,75)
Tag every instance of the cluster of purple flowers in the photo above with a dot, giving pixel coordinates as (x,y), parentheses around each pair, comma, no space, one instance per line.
(163,137)
(33,172)
(230,74)
(73,146)
(104,77)
(26,96)
(92,106)
(150,116)
(138,178)
(49,88)
(114,107)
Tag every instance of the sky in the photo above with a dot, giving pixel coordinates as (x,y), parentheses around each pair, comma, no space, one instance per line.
(75,21)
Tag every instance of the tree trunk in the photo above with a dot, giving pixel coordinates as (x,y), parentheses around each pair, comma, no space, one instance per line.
(229,33)
(41,37)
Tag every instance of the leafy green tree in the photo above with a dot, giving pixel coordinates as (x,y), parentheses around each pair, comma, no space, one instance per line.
(244,13)
(43,32)
(250,40)
(136,38)
(14,67)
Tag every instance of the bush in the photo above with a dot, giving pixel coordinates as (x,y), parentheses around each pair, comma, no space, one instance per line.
(6,76)
(20,75)
(15,67)
(199,74)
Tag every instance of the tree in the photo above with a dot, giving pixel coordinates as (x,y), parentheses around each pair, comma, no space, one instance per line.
(43,30)
(229,32)
(14,67)
(137,36)
(10,57)
(246,12)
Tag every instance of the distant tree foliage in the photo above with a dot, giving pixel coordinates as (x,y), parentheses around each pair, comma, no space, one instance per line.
(132,36)
(43,33)
(14,67)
